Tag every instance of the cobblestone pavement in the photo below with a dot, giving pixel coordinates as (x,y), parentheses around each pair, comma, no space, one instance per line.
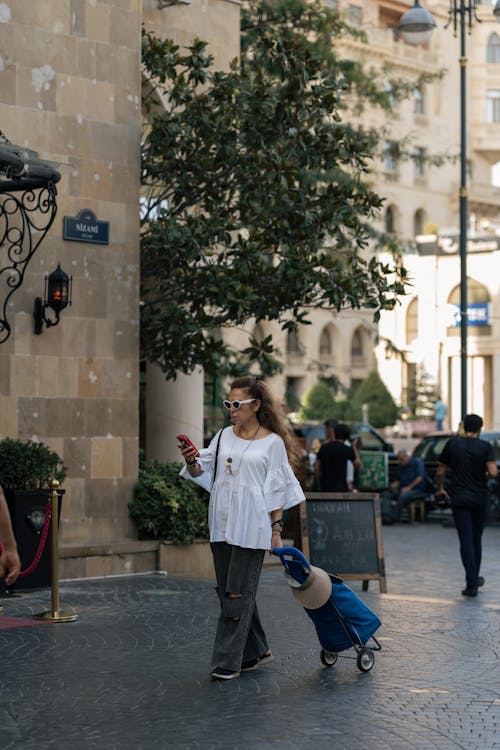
(132,672)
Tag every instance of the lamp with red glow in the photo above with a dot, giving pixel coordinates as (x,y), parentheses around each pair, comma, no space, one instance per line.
(57,297)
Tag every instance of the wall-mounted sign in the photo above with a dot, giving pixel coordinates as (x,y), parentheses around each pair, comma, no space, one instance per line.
(478,314)
(86,228)
(450,244)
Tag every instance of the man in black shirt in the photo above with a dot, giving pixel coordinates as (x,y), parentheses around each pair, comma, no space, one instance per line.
(331,463)
(471,461)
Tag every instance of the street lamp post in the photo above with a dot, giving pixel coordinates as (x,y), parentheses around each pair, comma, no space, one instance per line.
(416,26)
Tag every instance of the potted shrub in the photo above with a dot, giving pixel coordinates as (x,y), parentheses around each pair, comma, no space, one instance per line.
(26,465)
(174,511)
(26,471)
(166,506)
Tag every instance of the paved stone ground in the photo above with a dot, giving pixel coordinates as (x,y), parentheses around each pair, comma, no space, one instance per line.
(132,672)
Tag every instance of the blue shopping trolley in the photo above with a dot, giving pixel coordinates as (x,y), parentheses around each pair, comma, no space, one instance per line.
(341,619)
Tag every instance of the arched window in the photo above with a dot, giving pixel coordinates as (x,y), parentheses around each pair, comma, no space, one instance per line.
(325,343)
(412,321)
(418,102)
(292,342)
(390,156)
(418,157)
(390,220)
(419,222)
(493,49)
(328,345)
(357,347)
(476,292)
(390,94)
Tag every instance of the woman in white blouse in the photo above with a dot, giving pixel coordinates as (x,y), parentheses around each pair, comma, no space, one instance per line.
(251,483)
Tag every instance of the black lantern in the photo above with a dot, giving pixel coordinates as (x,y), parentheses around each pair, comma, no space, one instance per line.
(57,297)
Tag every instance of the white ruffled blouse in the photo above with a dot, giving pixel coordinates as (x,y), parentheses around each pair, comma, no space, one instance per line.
(241,503)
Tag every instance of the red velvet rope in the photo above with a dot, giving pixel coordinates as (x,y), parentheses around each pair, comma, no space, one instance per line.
(41,546)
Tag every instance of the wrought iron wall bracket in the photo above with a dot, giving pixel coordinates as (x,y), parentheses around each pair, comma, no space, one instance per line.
(25,220)
(27,210)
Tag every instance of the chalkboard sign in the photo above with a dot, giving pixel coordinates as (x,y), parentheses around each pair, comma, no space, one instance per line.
(374,472)
(342,534)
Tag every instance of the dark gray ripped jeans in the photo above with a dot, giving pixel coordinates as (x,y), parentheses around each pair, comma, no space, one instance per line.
(240,635)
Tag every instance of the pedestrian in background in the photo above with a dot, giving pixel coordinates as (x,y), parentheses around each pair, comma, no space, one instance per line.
(471,461)
(331,467)
(440,411)
(311,460)
(254,483)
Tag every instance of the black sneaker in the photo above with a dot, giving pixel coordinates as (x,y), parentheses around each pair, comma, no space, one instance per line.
(219,673)
(470,591)
(480,581)
(247,666)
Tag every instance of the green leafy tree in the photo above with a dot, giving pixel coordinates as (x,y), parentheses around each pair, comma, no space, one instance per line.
(421,394)
(344,410)
(256,199)
(382,409)
(319,402)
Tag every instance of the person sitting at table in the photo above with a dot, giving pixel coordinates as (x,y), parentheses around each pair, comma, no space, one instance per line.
(409,485)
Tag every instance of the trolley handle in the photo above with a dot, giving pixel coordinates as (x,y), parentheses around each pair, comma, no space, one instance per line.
(294,553)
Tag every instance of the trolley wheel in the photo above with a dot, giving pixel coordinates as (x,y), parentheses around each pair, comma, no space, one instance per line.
(328,658)
(365,659)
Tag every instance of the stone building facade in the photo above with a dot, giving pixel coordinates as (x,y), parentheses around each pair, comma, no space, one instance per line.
(70,88)
(421,208)
(425,327)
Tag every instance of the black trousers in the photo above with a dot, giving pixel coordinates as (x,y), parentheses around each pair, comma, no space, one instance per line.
(240,635)
(469,523)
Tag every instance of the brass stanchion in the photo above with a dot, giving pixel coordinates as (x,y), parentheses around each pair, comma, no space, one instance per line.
(55,615)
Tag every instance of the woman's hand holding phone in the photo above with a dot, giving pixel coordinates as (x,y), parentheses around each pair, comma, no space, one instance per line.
(188,449)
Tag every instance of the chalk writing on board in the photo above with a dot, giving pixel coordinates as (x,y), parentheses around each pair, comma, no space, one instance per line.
(342,537)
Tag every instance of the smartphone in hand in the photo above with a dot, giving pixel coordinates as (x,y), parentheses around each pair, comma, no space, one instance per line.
(184,439)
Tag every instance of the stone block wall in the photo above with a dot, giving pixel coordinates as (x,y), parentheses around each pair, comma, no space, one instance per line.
(70,89)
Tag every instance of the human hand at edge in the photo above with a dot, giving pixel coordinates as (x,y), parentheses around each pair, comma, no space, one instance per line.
(10,566)
(275,539)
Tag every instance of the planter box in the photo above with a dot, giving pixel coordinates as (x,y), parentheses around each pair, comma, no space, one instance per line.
(124,557)
(193,560)
(27,512)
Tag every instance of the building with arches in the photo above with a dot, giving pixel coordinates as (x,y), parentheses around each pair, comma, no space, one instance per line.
(420,200)
(426,328)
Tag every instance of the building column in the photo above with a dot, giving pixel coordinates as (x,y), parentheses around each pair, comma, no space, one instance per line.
(172,407)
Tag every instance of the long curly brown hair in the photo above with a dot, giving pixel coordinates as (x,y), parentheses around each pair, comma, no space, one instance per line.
(271,415)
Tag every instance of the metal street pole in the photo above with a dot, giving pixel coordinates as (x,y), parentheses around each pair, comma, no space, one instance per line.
(463,209)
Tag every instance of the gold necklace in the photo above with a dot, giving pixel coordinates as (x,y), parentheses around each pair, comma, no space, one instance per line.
(229,460)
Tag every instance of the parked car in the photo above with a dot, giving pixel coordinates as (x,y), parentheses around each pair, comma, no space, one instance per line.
(429,449)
